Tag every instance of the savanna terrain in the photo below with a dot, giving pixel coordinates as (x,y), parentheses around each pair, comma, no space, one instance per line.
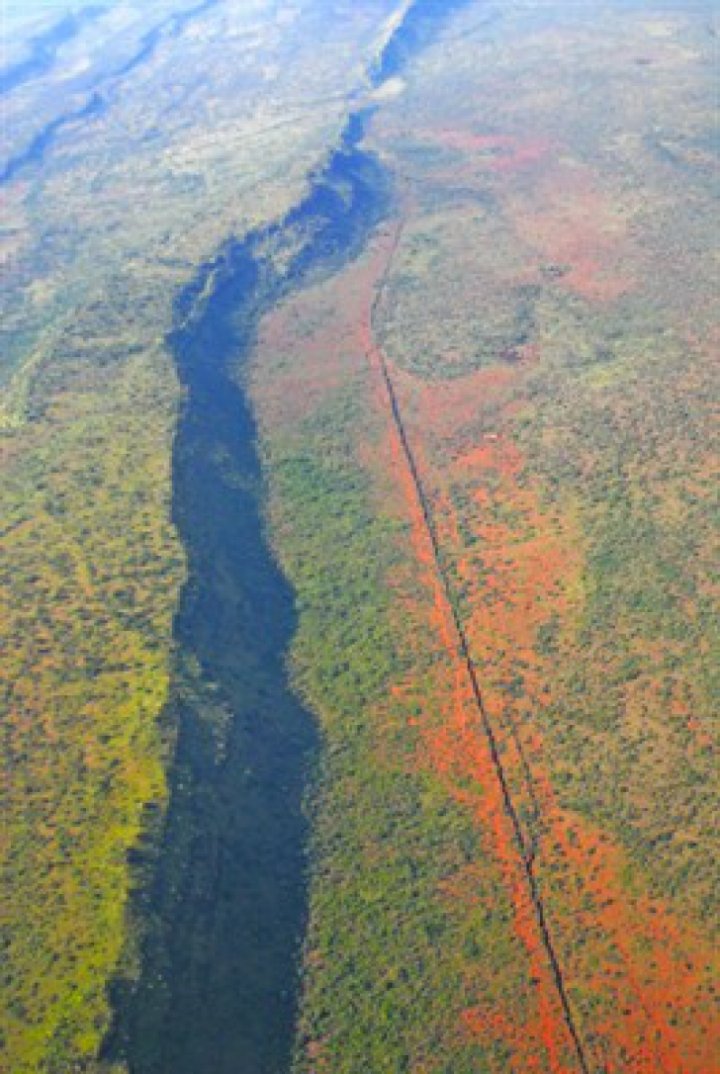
(359,519)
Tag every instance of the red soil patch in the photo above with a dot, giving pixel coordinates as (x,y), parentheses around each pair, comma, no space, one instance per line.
(568,220)
(625,949)
(295,390)
(500,153)
(460,752)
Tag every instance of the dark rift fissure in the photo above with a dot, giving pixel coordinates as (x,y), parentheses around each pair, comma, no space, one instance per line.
(44,47)
(220,893)
(100,97)
(221,898)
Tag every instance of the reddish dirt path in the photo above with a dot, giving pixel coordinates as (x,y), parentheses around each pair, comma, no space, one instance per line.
(559,1034)
(628,950)
(642,976)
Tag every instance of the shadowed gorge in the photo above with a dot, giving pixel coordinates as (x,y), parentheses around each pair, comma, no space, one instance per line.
(228,893)
(37,148)
(99,99)
(225,911)
(225,908)
(44,48)
(422,21)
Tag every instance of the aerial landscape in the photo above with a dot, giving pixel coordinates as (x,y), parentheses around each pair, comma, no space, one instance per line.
(359,529)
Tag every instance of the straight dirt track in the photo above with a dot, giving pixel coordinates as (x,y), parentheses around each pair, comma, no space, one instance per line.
(461,653)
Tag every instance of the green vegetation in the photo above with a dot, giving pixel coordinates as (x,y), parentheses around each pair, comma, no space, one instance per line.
(466,319)
(102,230)
(87,674)
(391,960)
(637,705)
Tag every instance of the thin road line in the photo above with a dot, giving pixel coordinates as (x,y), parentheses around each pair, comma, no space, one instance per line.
(464,653)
